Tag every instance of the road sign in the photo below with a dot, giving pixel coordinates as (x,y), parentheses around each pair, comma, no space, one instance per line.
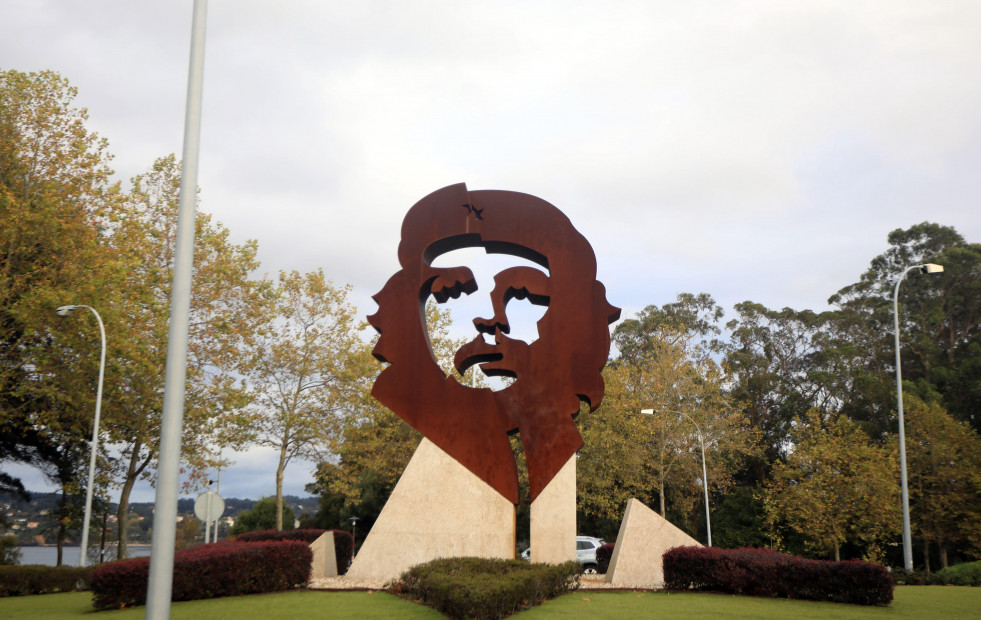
(209,506)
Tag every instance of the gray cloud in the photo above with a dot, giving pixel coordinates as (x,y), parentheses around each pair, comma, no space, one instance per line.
(751,150)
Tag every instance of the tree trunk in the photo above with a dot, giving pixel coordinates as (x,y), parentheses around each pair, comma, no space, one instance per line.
(102,543)
(133,472)
(61,527)
(837,552)
(926,555)
(281,467)
(943,555)
(661,493)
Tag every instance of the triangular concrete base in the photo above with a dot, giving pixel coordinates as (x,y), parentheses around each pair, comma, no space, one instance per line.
(643,539)
(324,557)
(438,509)
(553,518)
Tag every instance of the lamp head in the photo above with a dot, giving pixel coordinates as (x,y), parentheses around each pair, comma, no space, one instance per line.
(931,268)
(65,310)
(647,411)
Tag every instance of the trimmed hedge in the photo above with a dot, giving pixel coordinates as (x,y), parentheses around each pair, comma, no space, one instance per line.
(603,556)
(763,572)
(343,542)
(37,579)
(208,571)
(485,589)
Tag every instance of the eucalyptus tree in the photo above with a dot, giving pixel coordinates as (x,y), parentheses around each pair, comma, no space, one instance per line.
(940,317)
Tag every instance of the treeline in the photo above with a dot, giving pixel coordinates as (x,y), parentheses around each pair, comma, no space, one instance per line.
(796,409)
(275,361)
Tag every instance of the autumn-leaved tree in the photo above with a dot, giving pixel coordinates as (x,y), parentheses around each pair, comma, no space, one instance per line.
(225,309)
(944,479)
(657,458)
(54,191)
(835,486)
(303,370)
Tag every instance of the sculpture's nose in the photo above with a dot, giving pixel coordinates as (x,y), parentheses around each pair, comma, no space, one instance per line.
(490,326)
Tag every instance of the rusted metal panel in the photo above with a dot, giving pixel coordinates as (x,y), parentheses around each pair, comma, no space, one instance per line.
(552,375)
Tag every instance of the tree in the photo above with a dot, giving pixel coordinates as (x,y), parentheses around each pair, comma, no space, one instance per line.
(224,311)
(692,321)
(187,532)
(375,445)
(940,316)
(54,194)
(834,487)
(627,454)
(9,550)
(945,479)
(263,516)
(303,370)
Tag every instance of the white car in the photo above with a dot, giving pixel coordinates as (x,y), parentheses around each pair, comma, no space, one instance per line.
(586,547)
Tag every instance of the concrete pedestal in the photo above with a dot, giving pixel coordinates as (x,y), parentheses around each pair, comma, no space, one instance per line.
(643,539)
(438,509)
(553,518)
(324,557)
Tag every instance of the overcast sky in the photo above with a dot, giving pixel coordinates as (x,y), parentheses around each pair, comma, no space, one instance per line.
(751,150)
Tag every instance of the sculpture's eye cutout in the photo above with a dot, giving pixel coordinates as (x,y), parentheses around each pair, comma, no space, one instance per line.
(472,311)
(523,313)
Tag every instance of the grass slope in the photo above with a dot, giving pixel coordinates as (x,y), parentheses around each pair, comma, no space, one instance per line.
(913,602)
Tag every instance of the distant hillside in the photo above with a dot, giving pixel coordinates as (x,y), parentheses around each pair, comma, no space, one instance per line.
(26,520)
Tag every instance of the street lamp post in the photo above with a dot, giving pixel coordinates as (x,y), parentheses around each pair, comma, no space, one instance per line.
(354,532)
(94,447)
(701,443)
(907,538)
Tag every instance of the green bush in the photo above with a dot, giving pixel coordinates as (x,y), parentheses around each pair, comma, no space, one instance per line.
(967,574)
(261,517)
(485,589)
(36,579)
(9,551)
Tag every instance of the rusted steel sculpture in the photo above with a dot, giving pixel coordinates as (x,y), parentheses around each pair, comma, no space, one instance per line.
(552,375)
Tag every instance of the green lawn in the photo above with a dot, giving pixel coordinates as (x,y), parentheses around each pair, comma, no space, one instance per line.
(915,602)
(911,602)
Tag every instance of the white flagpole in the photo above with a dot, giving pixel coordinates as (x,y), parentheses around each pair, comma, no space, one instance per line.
(161,578)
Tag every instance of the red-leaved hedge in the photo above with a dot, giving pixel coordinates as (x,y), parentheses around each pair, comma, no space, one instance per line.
(763,572)
(603,556)
(343,542)
(208,571)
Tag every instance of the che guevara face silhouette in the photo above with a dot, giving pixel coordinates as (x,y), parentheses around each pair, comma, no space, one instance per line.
(552,375)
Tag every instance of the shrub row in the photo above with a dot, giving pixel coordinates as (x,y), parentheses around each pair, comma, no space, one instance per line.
(343,542)
(36,579)
(763,572)
(968,574)
(485,589)
(603,556)
(208,571)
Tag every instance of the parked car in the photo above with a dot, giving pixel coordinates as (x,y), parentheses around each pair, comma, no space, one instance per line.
(586,547)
